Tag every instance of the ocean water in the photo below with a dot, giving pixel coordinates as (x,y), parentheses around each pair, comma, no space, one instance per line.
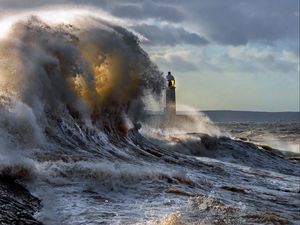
(178,178)
(70,108)
(284,136)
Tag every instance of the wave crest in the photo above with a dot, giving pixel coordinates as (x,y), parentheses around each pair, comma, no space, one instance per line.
(95,70)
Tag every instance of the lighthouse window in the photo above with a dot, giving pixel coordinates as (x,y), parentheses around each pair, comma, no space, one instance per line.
(171,83)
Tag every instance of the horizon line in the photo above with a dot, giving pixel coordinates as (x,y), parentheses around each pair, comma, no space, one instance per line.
(227,110)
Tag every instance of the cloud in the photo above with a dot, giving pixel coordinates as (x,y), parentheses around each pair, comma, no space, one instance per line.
(148,10)
(265,62)
(238,22)
(169,35)
(230,22)
(176,63)
(261,60)
(177,60)
(124,9)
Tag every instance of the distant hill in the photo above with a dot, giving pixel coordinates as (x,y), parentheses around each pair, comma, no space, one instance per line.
(251,116)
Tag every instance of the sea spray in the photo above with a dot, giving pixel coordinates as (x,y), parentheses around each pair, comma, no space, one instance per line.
(72,91)
(92,70)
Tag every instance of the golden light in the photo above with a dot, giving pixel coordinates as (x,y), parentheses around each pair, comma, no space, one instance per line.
(6,25)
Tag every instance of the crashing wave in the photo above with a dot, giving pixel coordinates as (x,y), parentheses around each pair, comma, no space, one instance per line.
(71,97)
(97,73)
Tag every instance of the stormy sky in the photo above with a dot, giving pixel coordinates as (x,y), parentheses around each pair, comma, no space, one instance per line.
(233,54)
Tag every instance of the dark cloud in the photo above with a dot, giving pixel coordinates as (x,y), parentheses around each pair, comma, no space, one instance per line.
(233,22)
(238,22)
(169,35)
(148,10)
(32,4)
(125,9)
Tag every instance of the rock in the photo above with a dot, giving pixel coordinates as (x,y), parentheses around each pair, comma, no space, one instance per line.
(17,205)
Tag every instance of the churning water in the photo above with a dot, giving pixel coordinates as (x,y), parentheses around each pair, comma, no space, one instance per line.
(71,95)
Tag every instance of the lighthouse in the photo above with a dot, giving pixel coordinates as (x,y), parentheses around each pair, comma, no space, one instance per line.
(170,98)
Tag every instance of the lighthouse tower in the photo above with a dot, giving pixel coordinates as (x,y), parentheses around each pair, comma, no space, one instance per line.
(170,98)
